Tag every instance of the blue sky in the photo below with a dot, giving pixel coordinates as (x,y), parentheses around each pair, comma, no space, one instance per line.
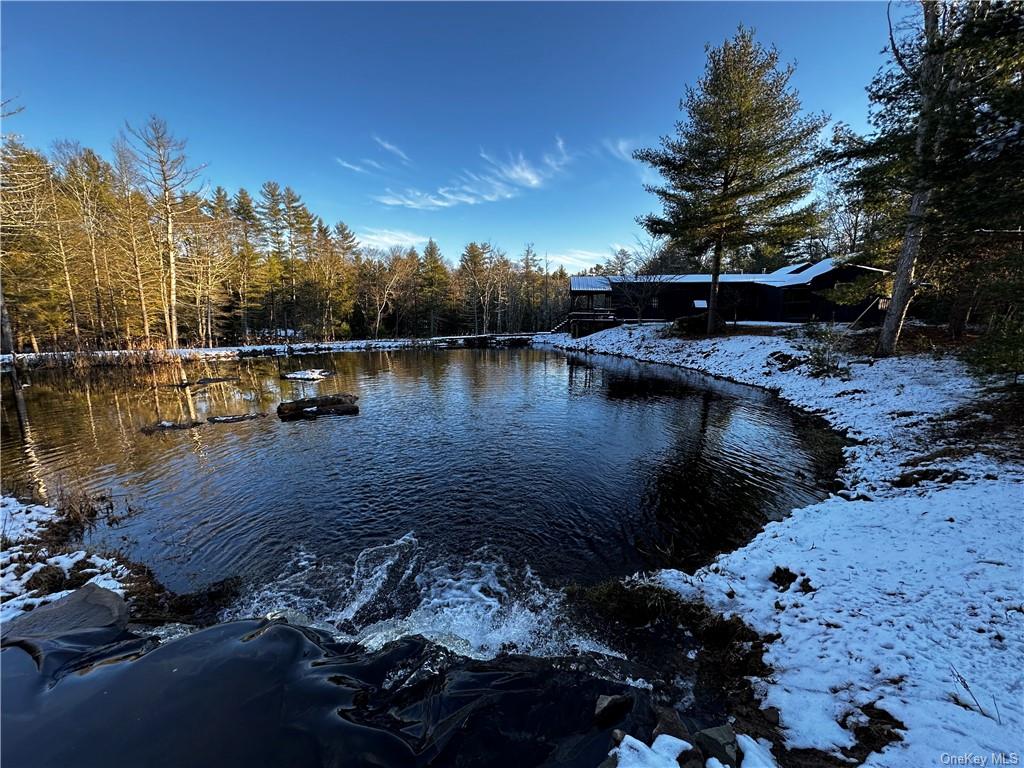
(511,123)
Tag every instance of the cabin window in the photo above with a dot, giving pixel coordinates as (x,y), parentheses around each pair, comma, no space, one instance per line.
(654,303)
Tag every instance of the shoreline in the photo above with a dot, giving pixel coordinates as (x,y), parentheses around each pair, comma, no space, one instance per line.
(930,631)
(98,357)
(831,668)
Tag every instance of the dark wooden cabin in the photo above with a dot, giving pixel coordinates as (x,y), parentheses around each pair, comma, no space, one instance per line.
(795,293)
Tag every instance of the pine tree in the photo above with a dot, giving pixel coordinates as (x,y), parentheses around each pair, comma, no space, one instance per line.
(741,164)
(243,209)
(436,283)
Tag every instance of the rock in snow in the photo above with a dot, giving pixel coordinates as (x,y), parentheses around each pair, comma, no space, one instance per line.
(916,607)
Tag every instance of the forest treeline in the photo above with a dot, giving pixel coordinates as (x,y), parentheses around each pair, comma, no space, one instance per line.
(130,253)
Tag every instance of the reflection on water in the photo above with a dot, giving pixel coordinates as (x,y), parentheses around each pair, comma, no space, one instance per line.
(566,468)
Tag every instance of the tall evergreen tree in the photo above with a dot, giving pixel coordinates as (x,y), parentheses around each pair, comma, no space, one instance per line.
(741,164)
(436,283)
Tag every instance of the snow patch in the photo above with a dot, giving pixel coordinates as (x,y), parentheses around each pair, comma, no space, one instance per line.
(22,558)
(633,753)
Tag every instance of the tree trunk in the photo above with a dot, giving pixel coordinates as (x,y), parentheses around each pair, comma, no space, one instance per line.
(925,144)
(136,264)
(714,322)
(903,282)
(67,272)
(99,328)
(172,274)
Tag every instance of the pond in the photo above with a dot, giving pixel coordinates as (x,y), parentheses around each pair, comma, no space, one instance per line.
(473,486)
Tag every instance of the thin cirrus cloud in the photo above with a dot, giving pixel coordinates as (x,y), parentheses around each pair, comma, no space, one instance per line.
(623,149)
(498,179)
(393,149)
(578,258)
(620,148)
(388,238)
(365,165)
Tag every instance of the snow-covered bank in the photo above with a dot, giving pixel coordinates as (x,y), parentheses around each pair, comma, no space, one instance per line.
(908,596)
(23,557)
(113,357)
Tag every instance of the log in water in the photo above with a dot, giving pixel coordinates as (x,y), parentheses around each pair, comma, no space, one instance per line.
(340,405)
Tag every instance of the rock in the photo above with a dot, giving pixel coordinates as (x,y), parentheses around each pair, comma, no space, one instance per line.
(89,607)
(611,709)
(290,616)
(670,724)
(617,736)
(612,761)
(719,743)
(311,407)
(690,758)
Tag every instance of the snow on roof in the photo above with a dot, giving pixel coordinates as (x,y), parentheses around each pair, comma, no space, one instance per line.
(589,283)
(790,268)
(794,274)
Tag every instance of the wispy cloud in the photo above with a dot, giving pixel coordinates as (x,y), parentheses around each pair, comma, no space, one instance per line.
(499,179)
(351,166)
(579,258)
(620,148)
(396,151)
(623,149)
(386,238)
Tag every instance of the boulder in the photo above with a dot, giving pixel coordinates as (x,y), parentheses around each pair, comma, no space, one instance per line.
(310,407)
(89,607)
(670,724)
(610,710)
(719,743)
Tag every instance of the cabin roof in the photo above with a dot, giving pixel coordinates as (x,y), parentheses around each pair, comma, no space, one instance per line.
(790,275)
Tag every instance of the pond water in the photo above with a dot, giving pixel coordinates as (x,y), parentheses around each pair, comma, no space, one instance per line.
(471,488)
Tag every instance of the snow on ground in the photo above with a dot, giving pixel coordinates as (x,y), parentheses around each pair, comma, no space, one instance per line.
(914,601)
(22,558)
(22,521)
(633,753)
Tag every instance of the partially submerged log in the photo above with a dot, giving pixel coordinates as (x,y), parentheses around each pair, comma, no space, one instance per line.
(165,426)
(342,404)
(313,374)
(235,418)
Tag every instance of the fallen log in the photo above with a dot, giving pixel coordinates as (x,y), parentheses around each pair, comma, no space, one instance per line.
(165,426)
(342,404)
(234,419)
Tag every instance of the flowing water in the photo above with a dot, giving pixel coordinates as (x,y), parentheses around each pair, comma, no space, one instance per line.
(471,488)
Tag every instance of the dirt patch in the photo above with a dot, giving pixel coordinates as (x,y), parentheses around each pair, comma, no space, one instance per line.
(729,654)
(152,604)
(782,578)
